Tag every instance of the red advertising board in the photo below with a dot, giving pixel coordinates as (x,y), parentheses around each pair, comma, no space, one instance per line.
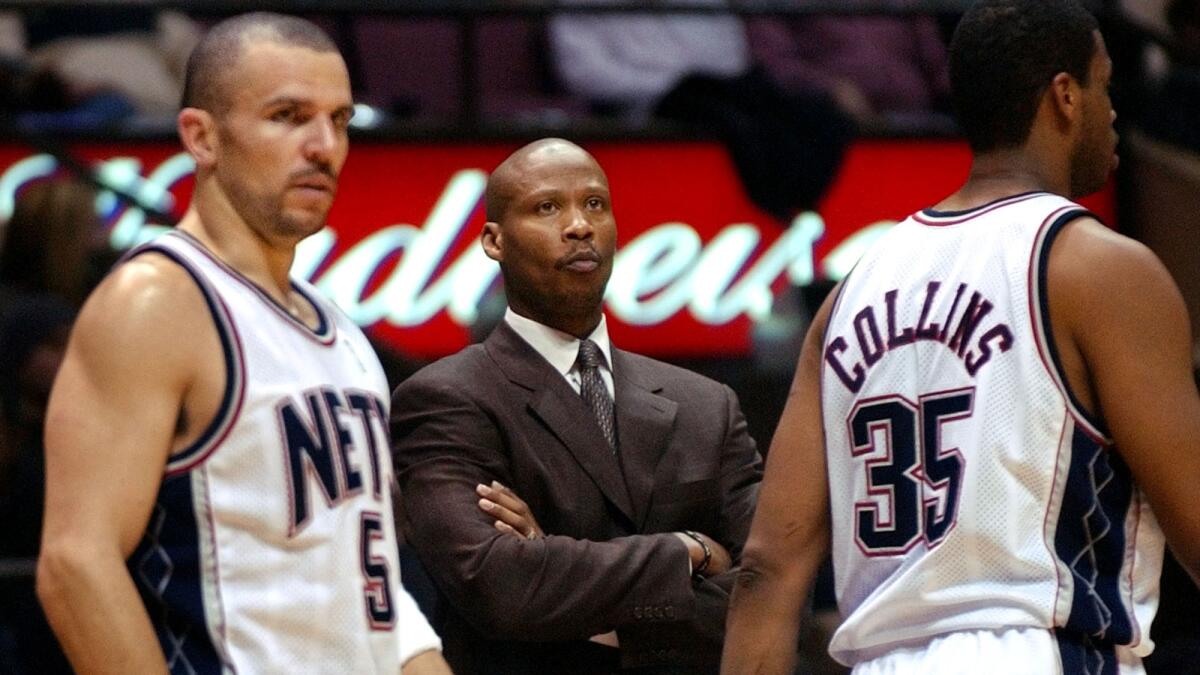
(697,263)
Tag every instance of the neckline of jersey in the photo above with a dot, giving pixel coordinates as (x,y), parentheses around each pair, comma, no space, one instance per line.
(323,333)
(931,216)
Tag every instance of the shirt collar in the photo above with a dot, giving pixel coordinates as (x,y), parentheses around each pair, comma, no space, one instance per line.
(559,348)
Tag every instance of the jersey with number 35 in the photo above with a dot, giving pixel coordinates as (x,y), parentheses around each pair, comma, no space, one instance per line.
(968,489)
(271,548)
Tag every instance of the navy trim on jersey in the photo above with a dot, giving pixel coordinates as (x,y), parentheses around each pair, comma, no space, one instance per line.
(323,334)
(166,569)
(954,217)
(1043,296)
(1090,539)
(1081,656)
(235,368)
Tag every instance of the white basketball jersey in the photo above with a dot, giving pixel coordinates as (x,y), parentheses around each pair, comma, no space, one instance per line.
(272,548)
(968,490)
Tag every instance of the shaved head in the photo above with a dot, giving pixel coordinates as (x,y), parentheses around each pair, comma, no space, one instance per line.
(552,230)
(503,183)
(222,46)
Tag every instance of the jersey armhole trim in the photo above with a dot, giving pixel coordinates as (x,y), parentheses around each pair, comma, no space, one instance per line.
(1039,312)
(195,453)
(840,289)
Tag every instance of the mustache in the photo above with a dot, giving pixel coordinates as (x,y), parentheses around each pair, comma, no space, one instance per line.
(314,170)
(583,252)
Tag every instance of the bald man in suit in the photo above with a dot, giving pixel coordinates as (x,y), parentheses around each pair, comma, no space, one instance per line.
(579,508)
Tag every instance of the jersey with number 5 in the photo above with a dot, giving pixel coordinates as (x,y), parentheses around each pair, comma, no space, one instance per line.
(968,490)
(271,547)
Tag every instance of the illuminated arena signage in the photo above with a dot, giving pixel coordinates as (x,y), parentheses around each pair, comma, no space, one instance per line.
(697,265)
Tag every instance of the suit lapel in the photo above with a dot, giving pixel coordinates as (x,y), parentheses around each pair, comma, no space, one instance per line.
(556,405)
(644,422)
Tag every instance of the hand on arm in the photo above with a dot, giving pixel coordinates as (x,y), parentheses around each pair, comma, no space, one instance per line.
(514,518)
(790,534)
(512,514)
(109,429)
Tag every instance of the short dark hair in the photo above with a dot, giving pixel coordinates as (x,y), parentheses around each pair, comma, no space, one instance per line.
(1003,56)
(219,49)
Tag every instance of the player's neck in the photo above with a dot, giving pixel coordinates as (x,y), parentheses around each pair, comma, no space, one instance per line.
(1003,173)
(263,262)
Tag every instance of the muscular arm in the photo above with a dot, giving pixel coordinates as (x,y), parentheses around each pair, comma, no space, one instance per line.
(1127,353)
(109,430)
(790,534)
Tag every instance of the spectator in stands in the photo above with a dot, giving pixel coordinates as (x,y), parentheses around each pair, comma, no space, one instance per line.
(626,63)
(74,67)
(1174,115)
(874,66)
(33,338)
(695,68)
(54,242)
(53,253)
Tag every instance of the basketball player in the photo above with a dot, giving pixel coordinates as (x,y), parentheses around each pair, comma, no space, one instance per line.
(216,440)
(1000,394)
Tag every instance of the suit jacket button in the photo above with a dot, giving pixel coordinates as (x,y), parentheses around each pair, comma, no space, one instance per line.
(670,612)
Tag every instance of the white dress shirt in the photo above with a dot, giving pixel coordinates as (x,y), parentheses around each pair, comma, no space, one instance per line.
(562,349)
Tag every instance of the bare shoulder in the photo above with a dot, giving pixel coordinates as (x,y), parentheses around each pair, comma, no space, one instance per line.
(1121,324)
(147,311)
(1105,288)
(1089,259)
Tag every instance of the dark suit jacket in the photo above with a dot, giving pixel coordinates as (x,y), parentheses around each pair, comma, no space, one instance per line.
(499,411)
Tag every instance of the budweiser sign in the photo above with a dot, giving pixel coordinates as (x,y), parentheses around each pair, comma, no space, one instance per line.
(697,265)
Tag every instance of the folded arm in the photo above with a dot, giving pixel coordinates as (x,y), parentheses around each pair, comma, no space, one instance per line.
(552,588)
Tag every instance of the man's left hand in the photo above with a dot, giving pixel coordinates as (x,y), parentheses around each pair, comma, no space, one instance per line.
(511,512)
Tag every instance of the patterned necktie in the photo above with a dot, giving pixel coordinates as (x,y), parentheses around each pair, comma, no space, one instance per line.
(593,391)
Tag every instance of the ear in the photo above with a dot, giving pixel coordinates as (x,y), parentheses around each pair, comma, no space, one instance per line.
(1066,97)
(198,132)
(493,241)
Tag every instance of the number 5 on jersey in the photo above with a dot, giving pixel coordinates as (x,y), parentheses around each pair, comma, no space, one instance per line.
(377,592)
(912,480)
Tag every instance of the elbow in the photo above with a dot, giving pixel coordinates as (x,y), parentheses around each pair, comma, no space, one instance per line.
(491,602)
(495,612)
(69,564)
(760,561)
(485,609)
(519,609)
(755,568)
(57,567)
(768,567)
